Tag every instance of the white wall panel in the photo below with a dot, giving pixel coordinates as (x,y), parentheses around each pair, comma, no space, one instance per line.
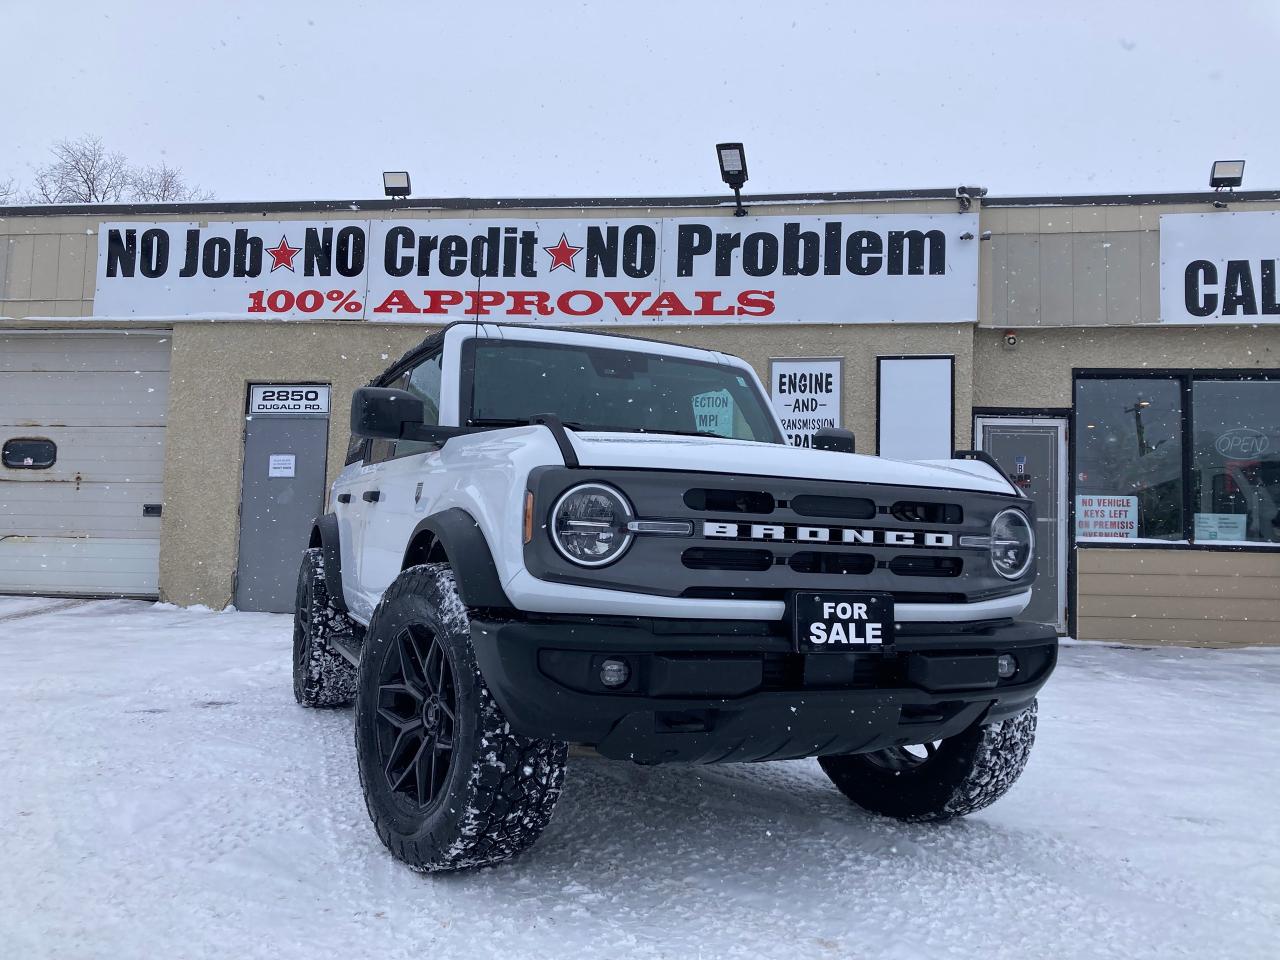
(915,408)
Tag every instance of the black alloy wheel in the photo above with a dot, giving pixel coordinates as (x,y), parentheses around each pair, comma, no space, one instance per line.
(447,783)
(941,779)
(321,676)
(417,716)
(904,758)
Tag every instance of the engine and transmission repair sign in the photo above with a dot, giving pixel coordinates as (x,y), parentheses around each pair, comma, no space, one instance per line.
(806,395)
(895,268)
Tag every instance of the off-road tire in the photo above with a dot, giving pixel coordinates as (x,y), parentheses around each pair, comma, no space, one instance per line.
(961,775)
(322,677)
(498,790)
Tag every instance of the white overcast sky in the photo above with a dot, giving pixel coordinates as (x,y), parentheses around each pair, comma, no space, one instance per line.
(275,100)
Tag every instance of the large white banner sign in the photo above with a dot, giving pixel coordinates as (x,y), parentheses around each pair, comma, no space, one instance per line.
(1219,267)
(867,269)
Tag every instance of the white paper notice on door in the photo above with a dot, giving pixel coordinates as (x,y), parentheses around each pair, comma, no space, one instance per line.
(281,465)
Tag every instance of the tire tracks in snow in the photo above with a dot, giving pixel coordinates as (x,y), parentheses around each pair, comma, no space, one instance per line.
(51,606)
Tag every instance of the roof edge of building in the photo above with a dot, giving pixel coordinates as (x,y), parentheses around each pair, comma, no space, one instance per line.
(1130,199)
(444,204)
(468,203)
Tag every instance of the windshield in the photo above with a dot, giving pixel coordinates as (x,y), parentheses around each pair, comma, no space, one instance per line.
(614,390)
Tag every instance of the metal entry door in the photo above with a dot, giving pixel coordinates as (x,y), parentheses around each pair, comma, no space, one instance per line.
(1033,454)
(282,493)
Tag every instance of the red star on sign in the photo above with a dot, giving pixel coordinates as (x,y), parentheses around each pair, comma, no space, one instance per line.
(282,256)
(562,254)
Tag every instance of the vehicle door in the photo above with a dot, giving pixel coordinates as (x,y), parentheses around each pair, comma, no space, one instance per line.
(395,500)
(348,506)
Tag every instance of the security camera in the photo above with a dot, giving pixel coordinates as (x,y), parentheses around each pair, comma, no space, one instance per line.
(1010,338)
(965,195)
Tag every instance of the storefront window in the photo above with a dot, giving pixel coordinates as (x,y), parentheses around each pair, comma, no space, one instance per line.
(1235,472)
(1128,459)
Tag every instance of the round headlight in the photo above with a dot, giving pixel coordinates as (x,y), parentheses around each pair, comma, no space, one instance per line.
(589,524)
(1013,545)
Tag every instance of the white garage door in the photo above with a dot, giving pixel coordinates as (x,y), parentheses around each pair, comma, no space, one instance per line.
(88,524)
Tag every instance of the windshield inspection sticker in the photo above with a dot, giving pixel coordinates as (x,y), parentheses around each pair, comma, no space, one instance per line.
(713,412)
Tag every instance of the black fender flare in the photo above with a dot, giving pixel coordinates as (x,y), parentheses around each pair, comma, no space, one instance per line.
(456,532)
(324,534)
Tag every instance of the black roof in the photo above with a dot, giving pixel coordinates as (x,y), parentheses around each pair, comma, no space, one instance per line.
(466,203)
(435,339)
(445,204)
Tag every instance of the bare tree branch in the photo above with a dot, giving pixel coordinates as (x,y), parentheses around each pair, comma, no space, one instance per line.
(84,171)
(8,191)
(162,183)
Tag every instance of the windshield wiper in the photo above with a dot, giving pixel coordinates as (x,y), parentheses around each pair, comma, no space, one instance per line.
(515,422)
(678,433)
(577,426)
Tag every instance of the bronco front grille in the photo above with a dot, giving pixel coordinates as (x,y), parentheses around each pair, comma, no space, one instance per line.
(814,561)
(722,558)
(926,566)
(766,537)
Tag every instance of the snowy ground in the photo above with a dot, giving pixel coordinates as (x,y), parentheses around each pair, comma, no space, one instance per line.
(162,796)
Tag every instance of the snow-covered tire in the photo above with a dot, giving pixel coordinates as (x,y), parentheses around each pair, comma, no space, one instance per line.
(952,779)
(321,676)
(447,784)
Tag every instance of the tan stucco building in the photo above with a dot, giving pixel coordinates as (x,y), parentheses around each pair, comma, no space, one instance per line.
(1120,357)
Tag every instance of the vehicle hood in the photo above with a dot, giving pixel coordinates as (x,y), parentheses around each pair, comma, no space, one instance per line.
(746,458)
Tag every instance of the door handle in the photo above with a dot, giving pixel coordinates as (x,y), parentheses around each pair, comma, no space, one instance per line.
(344,498)
(371,496)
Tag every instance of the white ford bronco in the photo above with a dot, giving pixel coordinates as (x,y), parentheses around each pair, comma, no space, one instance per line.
(544,537)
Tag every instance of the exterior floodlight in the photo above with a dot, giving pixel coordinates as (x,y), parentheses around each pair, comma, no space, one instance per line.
(733,171)
(396,183)
(1226,173)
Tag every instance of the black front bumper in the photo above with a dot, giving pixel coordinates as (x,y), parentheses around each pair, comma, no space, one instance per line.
(714,692)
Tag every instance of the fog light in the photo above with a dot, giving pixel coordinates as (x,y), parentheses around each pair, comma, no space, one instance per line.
(614,673)
(1006,665)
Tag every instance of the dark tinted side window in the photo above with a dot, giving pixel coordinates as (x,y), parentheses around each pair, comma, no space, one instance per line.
(355,451)
(423,383)
(29,453)
(378,450)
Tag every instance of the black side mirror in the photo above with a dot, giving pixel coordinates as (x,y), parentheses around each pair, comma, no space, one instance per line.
(833,438)
(383,413)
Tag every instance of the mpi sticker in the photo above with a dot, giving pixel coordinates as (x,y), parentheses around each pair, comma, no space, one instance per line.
(713,412)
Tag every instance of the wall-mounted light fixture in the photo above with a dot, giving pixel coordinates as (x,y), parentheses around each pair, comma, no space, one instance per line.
(733,171)
(395,183)
(1227,174)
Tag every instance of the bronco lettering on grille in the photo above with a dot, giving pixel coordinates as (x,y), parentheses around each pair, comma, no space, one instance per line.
(796,533)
